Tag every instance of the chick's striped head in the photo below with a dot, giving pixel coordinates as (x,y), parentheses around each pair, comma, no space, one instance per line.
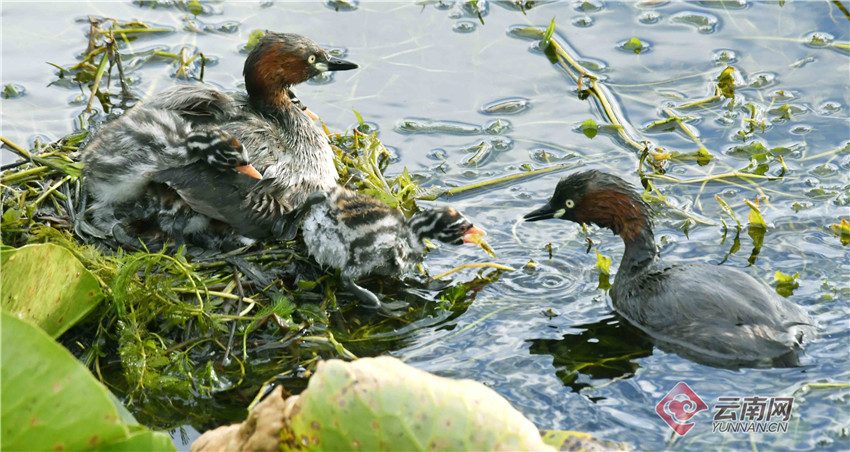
(217,148)
(220,150)
(444,224)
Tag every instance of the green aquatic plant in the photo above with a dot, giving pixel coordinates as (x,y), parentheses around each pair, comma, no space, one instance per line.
(785,284)
(589,128)
(842,231)
(547,36)
(633,44)
(102,55)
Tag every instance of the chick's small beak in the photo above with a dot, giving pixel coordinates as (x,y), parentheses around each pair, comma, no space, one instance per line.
(338,64)
(544,213)
(472,235)
(249,170)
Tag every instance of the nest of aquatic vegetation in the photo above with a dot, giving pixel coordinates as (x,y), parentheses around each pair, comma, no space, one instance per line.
(177,331)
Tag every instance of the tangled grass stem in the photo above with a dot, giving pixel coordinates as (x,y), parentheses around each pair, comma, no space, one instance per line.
(473,265)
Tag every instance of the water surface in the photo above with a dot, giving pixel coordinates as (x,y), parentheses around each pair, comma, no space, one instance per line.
(434,80)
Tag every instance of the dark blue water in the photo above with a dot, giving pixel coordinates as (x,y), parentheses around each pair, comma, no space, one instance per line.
(437,62)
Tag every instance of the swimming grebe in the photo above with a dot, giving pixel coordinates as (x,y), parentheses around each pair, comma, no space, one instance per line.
(121,158)
(282,142)
(715,315)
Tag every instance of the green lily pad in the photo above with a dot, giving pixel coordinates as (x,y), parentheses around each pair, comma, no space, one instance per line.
(51,401)
(47,285)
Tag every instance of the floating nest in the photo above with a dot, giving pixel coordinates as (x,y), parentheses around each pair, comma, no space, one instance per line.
(181,328)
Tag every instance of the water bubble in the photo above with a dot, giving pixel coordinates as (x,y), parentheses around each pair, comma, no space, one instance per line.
(366,128)
(829,107)
(509,106)
(634,45)
(230,26)
(77,99)
(438,154)
(497,127)
(649,17)
(582,21)
(13,91)
(464,26)
(704,23)
(528,33)
(588,6)
(418,125)
(819,39)
(724,4)
(343,5)
(825,170)
(501,144)
(593,64)
(783,95)
(762,79)
(548,155)
(801,129)
(724,56)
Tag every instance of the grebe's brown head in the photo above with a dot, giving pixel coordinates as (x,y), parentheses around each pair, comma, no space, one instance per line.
(599,198)
(281,60)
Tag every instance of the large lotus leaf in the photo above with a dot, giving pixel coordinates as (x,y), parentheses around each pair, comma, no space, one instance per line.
(384,404)
(140,440)
(580,441)
(47,285)
(51,401)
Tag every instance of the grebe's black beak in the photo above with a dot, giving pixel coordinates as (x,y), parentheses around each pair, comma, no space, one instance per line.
(544,213)
(338,64)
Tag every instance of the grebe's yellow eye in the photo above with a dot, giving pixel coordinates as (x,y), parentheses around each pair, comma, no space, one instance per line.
(570,204)
(311,59)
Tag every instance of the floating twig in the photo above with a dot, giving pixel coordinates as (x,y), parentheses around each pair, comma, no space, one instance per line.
(473,265)
(499,180)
